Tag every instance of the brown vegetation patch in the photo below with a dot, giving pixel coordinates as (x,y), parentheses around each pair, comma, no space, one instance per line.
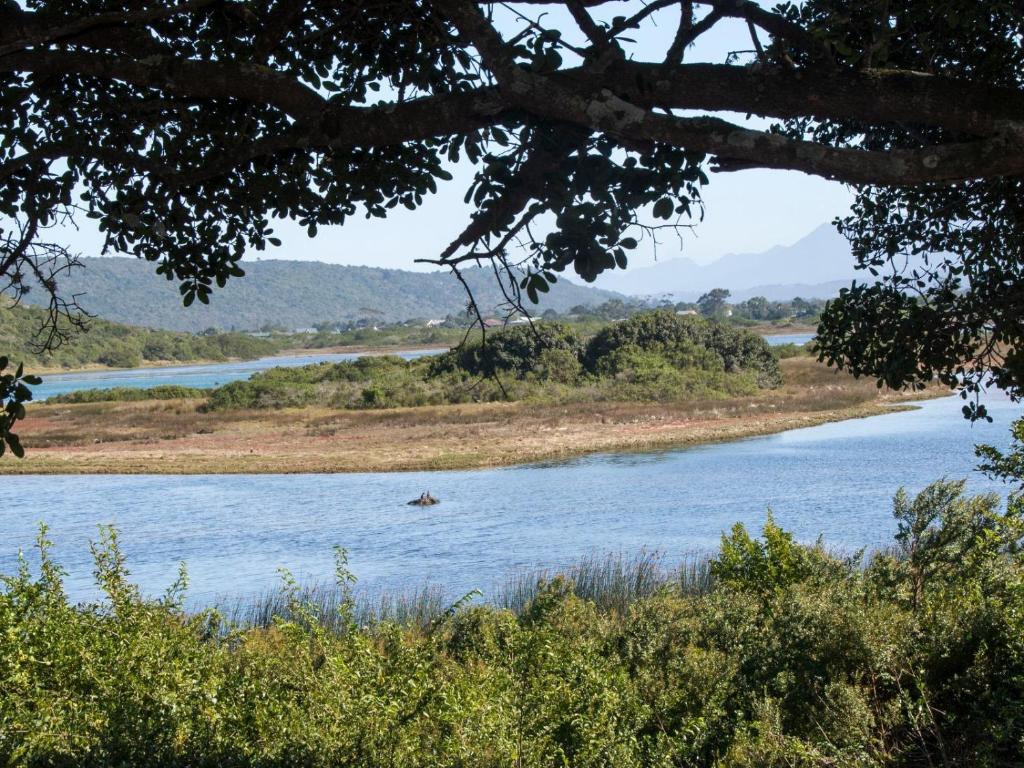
(173,436)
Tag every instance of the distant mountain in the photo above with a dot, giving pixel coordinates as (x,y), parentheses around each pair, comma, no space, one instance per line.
(292,294)
(814,267)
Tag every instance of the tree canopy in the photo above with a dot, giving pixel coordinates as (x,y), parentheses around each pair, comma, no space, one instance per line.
(184,129)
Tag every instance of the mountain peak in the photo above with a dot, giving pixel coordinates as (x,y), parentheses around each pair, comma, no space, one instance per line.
(821,257)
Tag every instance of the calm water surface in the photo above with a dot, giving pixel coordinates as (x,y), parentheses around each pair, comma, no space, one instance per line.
(788,338)
(234,532)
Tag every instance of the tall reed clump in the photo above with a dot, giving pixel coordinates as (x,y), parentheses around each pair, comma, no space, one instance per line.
(769,654)
(613,582)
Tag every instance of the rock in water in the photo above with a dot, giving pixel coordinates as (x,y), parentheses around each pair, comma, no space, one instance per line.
(425,500)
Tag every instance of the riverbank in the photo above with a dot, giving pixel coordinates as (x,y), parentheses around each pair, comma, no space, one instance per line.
(173,437)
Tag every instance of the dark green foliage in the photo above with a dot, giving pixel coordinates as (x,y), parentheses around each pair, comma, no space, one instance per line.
(759,309)
(1006,466)
(120,346)
(772,654)
(948,304)
(542,362)
(712,303)
(14,393)
(515,351)
(130,394)
(663,331)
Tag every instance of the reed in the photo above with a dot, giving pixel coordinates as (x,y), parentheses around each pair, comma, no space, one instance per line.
(418,607)
(612,581)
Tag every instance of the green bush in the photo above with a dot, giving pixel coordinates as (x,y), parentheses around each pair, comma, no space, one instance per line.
(663,331)
(120,355)
(786,351)
(514,351)
(787,656)
(520,363)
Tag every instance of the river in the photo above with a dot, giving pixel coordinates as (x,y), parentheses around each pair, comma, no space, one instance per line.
(234,532)
(204,376)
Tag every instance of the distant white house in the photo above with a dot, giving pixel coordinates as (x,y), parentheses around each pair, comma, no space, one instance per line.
(686,312)
(433,323)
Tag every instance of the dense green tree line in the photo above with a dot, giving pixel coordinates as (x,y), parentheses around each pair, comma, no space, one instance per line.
(778,655)
(119,346)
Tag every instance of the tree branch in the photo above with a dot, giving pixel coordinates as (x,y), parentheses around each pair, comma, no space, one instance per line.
(205,79)
(35,29)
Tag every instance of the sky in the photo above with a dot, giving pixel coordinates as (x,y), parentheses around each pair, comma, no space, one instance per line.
(746,211)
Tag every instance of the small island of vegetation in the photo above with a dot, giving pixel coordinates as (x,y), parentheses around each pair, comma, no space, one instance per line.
(656,379)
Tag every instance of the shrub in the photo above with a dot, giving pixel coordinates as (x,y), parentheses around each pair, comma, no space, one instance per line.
(664,331)
(786,351)
(516,350)
(129,394)
(558,365)
(120,355)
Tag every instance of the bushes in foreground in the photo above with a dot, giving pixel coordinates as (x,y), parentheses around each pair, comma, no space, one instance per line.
(782,655)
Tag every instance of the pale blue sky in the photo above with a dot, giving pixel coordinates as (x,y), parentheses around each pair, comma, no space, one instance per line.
(745,211)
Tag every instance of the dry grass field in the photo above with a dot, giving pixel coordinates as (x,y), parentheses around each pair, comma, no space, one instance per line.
(172,436)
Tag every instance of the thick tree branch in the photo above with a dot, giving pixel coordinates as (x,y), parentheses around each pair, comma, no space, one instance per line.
(1000,156)
(205,79)
(33,29)
(688,32)
(617,98)
(870,96)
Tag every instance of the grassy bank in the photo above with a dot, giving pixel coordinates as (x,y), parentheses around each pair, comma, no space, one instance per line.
(175,437)
(770,654)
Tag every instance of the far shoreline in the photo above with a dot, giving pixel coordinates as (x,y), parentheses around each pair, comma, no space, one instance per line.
(347,349)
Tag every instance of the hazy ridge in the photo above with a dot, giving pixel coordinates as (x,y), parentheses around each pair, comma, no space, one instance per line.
(815,266)
(292,294)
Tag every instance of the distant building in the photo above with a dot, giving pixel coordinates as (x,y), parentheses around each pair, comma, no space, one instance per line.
(490,322)
(434,323)
(686,312)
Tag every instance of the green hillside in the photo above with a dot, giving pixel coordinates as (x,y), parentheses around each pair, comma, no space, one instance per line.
(116,345)
(292,295)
